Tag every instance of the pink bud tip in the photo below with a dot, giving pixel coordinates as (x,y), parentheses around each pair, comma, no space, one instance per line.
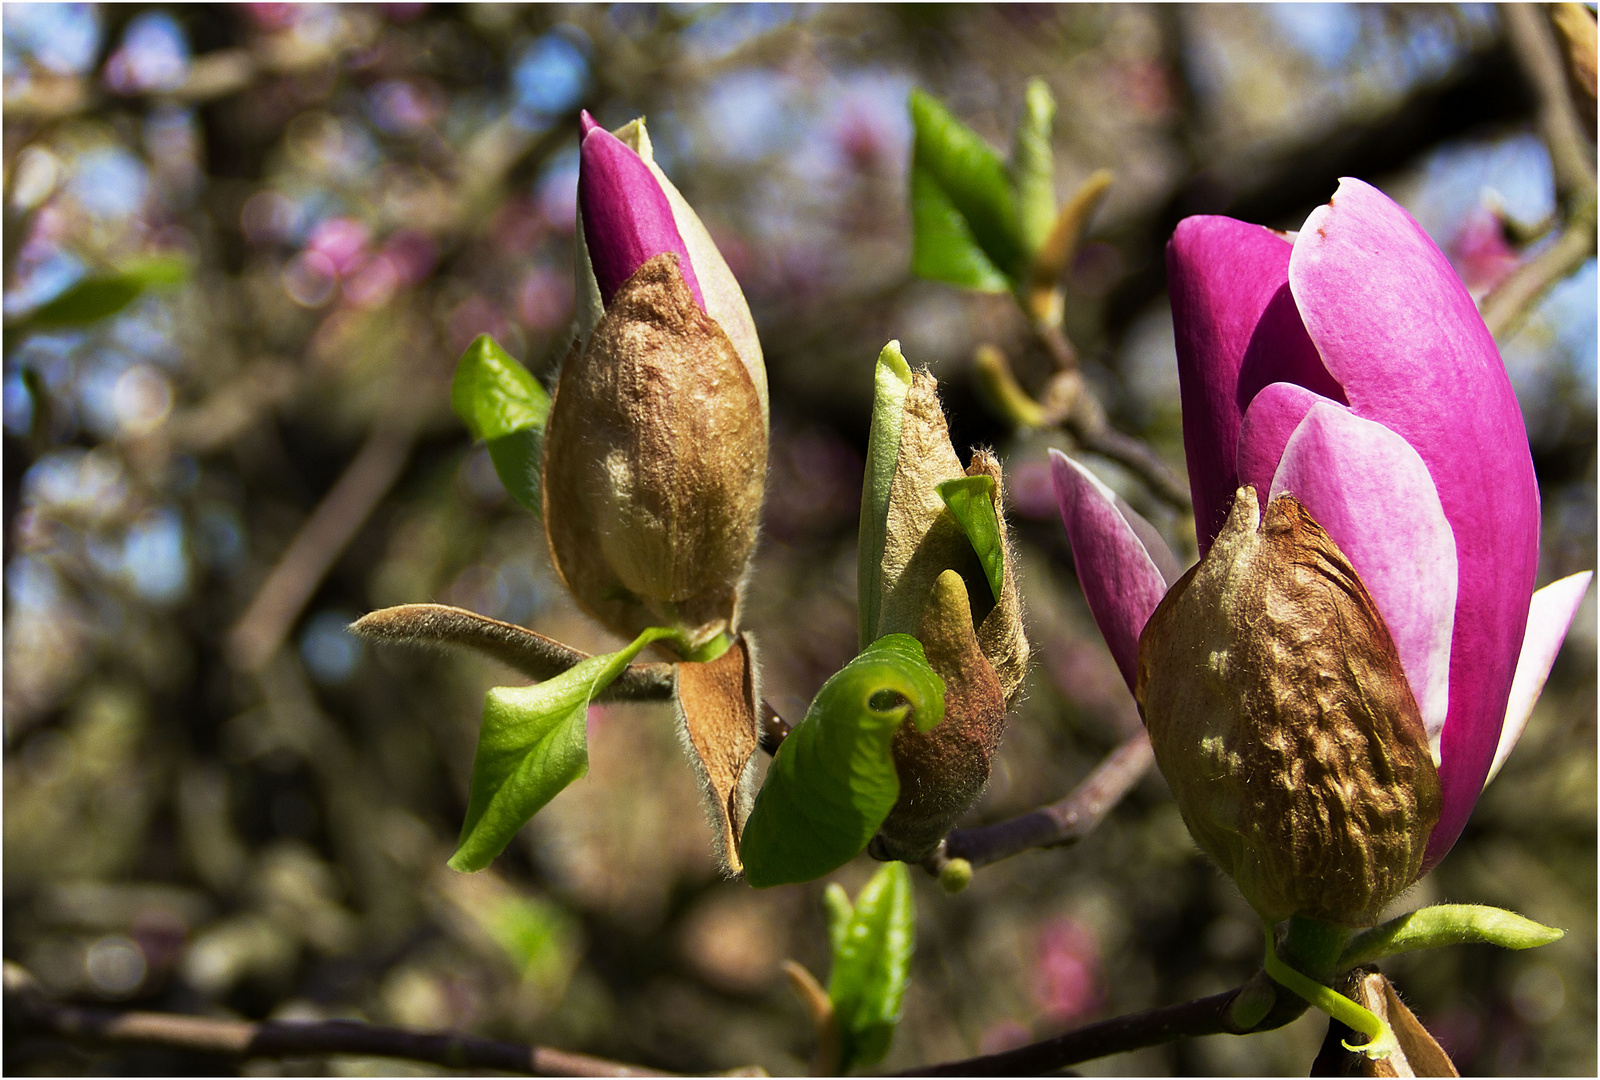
(586,123)
(627,219)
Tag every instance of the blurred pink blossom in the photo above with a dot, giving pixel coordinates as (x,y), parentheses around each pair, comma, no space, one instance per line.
(1068,981)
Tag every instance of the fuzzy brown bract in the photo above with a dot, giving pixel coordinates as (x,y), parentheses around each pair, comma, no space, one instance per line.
(1281,717)
(654,463)
(943,770)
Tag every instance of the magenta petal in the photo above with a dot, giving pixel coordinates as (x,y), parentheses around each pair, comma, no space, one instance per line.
(1234,324)
(1372,494)
(1268,423)
(1398,331)
(1549,616)
(1119,578)
(627,219)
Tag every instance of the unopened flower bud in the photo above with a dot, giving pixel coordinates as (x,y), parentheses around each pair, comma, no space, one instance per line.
(1281,717)
(655,456)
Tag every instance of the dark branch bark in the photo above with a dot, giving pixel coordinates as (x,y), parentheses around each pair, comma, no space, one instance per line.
(237,1038)
(1215,1015)
(1063,822)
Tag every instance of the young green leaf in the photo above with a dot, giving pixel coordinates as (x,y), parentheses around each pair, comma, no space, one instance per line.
(833,780)
(872,945)
(533,742)
(971,500)
(101,296)
(1446,924)
(1033,167)
(502,403)
(891,383)
(965,229)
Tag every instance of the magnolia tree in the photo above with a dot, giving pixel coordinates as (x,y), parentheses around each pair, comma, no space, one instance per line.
(1326,691)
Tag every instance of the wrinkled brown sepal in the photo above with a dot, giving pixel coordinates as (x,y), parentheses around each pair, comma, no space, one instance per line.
(718,722)
(943,770)
(654,463)
(1282,719)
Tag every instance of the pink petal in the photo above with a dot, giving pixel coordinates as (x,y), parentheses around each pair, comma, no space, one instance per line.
(1237,331)
(1268,423)
(627,219)
(1398,331)
(1549,616)
(1119,578)
(1373,496)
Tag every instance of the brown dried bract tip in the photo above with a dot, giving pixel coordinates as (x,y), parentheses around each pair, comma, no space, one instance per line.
(1283,721)
(720,728)
(654,463)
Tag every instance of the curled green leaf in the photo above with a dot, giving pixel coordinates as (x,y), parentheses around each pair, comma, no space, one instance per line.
(502,403)
(533,742)
(833,780)
(1446,924)
(891,383)
(872,945)
(971,500)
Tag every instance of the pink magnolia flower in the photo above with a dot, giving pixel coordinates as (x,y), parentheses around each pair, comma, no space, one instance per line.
(1347,365)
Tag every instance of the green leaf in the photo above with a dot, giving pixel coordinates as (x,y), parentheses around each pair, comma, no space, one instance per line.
(971,500)
(101,296)
(833,779)
(1446,924)
(872,945)
(965,229)
(532,743)
(1033,168)
(942,246)
(891,383)
(502,403)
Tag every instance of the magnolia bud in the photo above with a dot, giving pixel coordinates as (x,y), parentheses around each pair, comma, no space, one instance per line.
(1282,719)
(931,585)
(655,454)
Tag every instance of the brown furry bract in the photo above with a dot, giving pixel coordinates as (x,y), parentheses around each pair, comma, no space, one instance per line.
(943,770)
(654,463)
(1283,721)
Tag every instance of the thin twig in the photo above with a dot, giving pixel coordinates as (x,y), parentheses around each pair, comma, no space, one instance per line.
(1214,1015)
(261,630)
(1064,822)
(1506,308)
(1069,402)
(278,1039)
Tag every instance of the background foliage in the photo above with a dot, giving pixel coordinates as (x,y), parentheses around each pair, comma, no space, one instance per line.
(297,217)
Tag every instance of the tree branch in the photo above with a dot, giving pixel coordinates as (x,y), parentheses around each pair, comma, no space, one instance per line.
(1538,55)
(1061,823)
(267,1039)
(311,554)
(1227,1013)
